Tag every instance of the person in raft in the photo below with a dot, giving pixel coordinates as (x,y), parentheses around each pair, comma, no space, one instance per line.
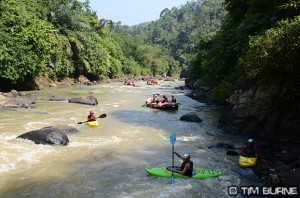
(155,99)
(165,99)
(91,116)
(173,99)
(250,150)
(186,166)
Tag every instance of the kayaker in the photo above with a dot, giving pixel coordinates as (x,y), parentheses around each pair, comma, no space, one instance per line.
(173,99)
(250,150)
(186,166)
(92,116)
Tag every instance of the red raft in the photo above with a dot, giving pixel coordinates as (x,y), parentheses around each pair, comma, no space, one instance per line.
(153,82)
(160,105)
(129,82)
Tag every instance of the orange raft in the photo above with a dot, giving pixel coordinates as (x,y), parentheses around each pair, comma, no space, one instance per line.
(160,105)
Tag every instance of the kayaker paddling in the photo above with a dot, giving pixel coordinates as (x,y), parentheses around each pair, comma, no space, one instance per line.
(92,116)
(250,150)
(186,166)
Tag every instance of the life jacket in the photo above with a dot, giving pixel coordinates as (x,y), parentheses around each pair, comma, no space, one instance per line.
(165,100)
(91,117)
(250,151)
(189,172)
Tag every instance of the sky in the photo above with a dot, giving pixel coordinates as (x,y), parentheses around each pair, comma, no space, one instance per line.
(132,12)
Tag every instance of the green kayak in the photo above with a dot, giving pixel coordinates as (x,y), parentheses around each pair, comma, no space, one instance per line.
(200,173)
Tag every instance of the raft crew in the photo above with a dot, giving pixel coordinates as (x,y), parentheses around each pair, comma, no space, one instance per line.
(173,99)
(155,99)
(128,82)
(165,99)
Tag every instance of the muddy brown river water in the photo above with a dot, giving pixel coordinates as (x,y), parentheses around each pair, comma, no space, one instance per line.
(110,161)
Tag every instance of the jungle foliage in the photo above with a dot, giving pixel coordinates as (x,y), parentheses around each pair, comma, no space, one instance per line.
(178,30)
(65,38)
(257,44)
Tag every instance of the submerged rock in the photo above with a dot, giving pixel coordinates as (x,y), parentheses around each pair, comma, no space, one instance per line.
(191,117)
(59,98)
(88,100)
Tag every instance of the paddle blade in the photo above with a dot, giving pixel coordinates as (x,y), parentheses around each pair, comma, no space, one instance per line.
(173,138)
(103,116)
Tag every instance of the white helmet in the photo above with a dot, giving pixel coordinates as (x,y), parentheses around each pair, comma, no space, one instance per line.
(251,141)
(186,156)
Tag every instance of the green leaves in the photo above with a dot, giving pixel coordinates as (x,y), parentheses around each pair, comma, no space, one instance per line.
(274,53)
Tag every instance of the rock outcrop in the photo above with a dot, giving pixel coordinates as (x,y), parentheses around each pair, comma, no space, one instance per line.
(14,99)
(261,112)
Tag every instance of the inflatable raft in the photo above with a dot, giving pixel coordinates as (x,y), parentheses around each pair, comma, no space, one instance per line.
(160,105)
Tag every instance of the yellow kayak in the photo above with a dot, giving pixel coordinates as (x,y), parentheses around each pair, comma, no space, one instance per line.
(247,162)
(92,123)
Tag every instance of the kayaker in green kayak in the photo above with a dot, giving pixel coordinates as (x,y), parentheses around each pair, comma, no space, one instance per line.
(186,166)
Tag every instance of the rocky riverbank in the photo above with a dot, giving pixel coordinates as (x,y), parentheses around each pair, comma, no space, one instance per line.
(14,99)
(253,113)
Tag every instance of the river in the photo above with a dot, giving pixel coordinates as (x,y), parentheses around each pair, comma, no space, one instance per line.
(110,161)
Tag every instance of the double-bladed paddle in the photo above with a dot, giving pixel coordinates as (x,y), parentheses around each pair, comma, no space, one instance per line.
(101,116)
(172,140)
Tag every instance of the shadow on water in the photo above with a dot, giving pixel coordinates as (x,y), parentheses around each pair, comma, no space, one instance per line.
(159,119)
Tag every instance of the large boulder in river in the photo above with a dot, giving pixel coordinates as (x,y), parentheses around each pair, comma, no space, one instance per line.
(88,100)
(191,117)
(47,135)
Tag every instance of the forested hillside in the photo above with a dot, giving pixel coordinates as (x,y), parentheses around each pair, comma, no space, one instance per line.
(252,64)
(256,44)
(59,39)
(178,30)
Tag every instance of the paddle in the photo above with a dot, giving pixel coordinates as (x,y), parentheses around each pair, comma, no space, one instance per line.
(172,140)
(101,116)
(232,153)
